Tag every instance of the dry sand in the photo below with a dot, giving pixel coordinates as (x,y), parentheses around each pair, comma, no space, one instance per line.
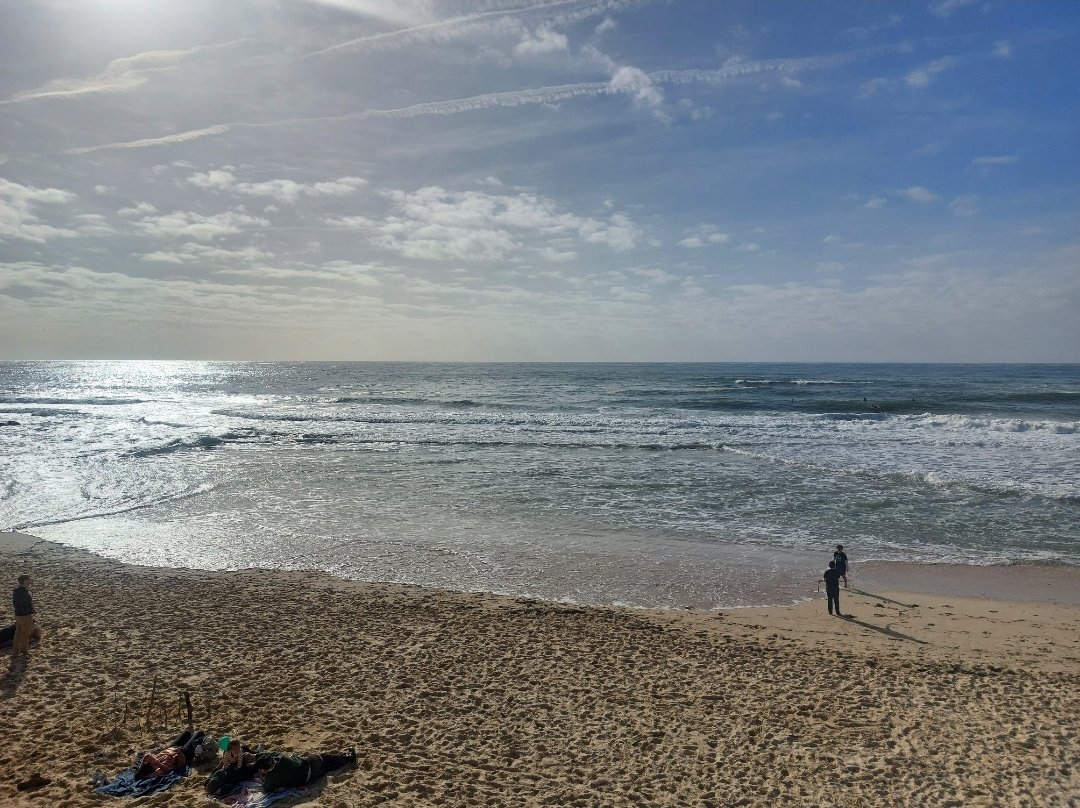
(456,699)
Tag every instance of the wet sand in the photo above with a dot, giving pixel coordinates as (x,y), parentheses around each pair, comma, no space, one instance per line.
(919,699)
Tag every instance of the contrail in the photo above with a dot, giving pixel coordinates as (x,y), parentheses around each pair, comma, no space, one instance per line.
(590,10)
(514,98)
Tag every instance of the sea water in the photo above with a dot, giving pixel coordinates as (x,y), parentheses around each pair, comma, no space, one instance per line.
(648,484)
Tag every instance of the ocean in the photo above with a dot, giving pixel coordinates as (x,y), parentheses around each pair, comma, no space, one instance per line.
(705,485)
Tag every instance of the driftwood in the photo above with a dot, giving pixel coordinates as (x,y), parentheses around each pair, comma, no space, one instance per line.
(187,704)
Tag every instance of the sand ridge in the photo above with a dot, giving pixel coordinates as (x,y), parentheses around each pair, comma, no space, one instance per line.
(477,700)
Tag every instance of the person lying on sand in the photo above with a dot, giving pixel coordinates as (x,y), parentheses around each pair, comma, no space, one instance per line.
(237,765)
(7,634)
(279,770)
(178,754)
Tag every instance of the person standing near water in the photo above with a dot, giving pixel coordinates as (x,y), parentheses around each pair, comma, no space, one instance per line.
(831,577)
(24,616)
(840,557)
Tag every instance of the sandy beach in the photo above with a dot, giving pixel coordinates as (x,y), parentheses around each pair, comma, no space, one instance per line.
(920,699)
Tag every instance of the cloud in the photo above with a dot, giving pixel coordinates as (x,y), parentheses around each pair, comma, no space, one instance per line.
(865,32)
(921,77)
(188,224)
(947,7)
(397,12)
(1002,49)
(917,193)
(195,253)
(216,180)
(703,235)
(436,224)
(875,203)
(120,75)
(608,24)
(540,43)
(19,212)
(576,11)
(995,160)
(868,89)
(641,86)
(288,191)
(637,84)
(966,205)
(138,210)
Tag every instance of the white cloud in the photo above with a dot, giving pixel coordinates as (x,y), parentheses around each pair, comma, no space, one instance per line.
(436,224)
(704,234)
(947,7)
(215,180)
(868,89)
(541,42)
(875,203)
(187,224)
(921,77)
(19,212)
(288,191)
(1002,49)
(138,210)
(607,25)
(636,83)
(917,193)
(120,75)
(195,253)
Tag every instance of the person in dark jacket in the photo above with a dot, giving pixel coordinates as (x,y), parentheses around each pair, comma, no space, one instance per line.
(24,616)
(840,557)
(280,770)
(831,577)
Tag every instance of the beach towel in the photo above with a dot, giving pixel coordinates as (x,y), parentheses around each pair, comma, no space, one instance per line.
(249,794)
(125,784)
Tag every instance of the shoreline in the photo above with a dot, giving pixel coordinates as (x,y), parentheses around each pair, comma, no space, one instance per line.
(1023,582)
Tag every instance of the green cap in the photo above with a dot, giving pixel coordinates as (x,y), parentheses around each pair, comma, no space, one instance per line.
(223,744)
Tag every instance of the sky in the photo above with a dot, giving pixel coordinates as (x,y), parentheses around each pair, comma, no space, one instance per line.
(540,180)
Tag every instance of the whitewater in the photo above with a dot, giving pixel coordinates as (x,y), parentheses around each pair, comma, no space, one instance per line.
(646,484)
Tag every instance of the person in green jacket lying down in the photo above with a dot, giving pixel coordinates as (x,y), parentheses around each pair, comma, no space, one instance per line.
(280,770)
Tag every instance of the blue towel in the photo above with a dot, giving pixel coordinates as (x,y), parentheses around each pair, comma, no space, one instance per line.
(125,784)
(250,795)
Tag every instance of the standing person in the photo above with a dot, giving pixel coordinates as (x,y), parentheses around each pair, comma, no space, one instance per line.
(831,577)
(24,616)
(840,557)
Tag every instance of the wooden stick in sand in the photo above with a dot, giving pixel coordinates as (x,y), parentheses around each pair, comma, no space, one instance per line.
(187,704)
(150,708)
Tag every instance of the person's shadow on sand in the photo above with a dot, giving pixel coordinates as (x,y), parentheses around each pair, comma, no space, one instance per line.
(887,631)
(16,672)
